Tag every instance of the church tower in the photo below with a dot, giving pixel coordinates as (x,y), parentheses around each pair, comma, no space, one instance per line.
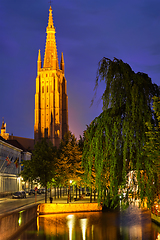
(3,131)
(51,100)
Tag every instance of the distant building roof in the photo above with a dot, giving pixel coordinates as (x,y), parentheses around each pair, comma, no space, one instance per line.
(15,143)
(27,143)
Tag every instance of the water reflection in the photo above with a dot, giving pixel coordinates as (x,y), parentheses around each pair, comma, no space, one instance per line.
(83,223)
(70,224)
(132,224)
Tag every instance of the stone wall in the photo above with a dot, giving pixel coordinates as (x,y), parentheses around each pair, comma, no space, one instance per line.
(45,208)
(13,222)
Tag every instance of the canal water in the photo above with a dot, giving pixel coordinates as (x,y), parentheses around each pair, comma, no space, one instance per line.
(130,224)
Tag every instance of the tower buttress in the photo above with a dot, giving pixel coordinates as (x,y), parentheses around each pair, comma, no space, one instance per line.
(62,63)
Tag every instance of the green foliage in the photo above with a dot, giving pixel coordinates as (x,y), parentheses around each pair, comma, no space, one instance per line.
(152,156)
(27,171)
(68,166)
(114,141)
(42,164)
(56,167)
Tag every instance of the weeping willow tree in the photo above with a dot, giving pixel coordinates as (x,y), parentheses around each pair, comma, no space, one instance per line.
(114,140)
(152,156)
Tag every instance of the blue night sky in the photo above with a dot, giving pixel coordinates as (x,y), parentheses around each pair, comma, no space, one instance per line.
(86,31)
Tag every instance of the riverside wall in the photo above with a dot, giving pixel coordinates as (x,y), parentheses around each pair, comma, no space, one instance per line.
(52,208)
(13,222)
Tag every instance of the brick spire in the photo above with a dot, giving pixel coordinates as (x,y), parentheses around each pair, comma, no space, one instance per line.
(50,56)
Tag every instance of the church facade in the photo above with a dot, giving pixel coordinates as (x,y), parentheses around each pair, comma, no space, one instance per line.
(51,100)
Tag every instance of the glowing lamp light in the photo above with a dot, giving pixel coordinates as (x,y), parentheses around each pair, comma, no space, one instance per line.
(158,237)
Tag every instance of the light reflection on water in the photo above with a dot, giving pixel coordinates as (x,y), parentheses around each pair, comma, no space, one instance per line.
(70,224)
(83,223)
(131,224)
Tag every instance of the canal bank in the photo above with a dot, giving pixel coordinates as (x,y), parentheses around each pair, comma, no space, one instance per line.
(131,223)
(54,208)
(26,221)
(14,222)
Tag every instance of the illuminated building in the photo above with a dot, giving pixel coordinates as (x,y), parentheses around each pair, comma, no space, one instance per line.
(12,154)
(51,100)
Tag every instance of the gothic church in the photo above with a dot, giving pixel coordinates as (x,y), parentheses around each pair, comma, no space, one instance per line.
(51,100)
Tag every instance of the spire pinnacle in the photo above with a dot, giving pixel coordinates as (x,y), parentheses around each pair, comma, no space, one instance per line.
(3,125)
(39,62)
(50,56)
(50,2)
(39,55)
(50,19)
(62,58)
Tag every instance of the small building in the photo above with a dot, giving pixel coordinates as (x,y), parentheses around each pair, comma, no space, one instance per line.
(27,143)
(12,155)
